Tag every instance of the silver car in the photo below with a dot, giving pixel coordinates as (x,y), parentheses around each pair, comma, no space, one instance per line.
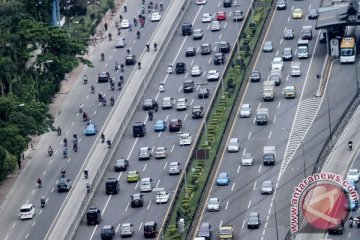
(233,145)
(196,71)
(174,168)
(267,187)
(215,26)
(268,46)
(213,204)
(181,104)
(198,34)
(161,152)
(120,43)
(167,103)
(144,153)
(247,159)
(126,230)
(245,111)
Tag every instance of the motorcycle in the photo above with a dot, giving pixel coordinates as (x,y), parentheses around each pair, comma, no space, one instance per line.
(39,183)
(50,152)
(117,66)
(85,80)
(108,143)
(75,147)
(119,86)
(170,69)
(81,108)
(112,86)
(156,108)
(350,145)
(85,117)
(58,131)
(112,101)
(65,154)
(86,174)
(88,187)
(104,102)
(151,116)
(42,203)
(102,57)
(162,87)
(92,88)
(139,65)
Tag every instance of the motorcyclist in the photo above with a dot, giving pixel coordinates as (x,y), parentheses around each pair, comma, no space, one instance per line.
(100,97)
(130,26)
(92,88)
(102,137)
(161,6)
(119,85)
(138,34)
(86,173)
(119,31)
(148,47)
(87,187)
(65,141)
(121,18)
(116,66)
(128,51)
(75,136)
(42,201)
(162,87)
(122,67)
(112,100)
(110,36)
(112,86)
(139,65)
(85,79)
(102,56)
(156,106)
(75,146)
(125,8)
(155,46)
(65,152)
(135,21)
(351,221)
(350,144)
(103,101)
(58,130)
(155,5)
(150,113)
(85,116)
(81,108)
(62,172)
(170,68)
(50,151)
(121,77)
(108,143)
(39,182)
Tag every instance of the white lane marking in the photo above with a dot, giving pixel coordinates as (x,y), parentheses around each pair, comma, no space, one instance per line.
(243,224)
(186,75)
(227,204)
(127,206)
(50,161)
(238,169)
(270,134)
(27,235)
(33,191)
(167,117)
(72,124)
(40,211)
(220,36)
(172,148)
(192,101)
(165,165)
(137,183)
(220,224)
(288,19)
(157,185)
(254,188)
(254,120)
(140,226)
(185,117)
(244,151)
(259,105)
(179,89)
(159,134)
(192,62)
(249,135)
(232,187)
(94,112)
(225,25)
(281,41)
(87,97)
(144,167)
(249,204)
(69,160)
(209,61)
(118,178)
(13,225)
(274,119)
(117,228)
(52,190)
(277,52)
(132,148)
(44,172)
(67,132)
(287,77)
(260,168)
(148,205)
(279,105)
(33,224)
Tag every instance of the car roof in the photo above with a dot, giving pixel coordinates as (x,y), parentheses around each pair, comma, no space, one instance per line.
(28,205)
(247,105)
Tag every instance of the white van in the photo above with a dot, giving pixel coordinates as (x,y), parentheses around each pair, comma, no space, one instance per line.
(27,211)
(146,184)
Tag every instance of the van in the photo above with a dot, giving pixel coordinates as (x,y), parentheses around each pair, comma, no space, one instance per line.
(27,211)
(146,185)
(139,129)
(186,29)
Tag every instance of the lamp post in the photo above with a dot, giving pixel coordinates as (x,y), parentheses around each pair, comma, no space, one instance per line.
(8,110)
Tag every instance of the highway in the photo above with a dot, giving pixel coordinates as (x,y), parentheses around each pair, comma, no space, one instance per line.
(116,209)
(242,195)
(48,168)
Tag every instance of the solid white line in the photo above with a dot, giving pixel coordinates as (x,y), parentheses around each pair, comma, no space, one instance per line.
(132,148)
(118,178)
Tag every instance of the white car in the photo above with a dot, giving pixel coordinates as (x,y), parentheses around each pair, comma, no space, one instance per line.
(125,23)
(245,110)
(353,174)
(161,152)
(195,71)
(184,138)
(277,64)
(233,145)
(213,204)
(181,104)
(206,18)
(27,211)
(155,17)
(126,230)
(162,197)
(201,2)
(167,102)
(174,168)
(215,26)
(213,75)
(247,159)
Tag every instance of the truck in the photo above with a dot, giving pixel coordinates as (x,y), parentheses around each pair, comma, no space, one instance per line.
(303,49)
(226,232)
(289,91)
(295,69)
(306,32)
(275,75)
(269,156)
(268,90)
(262,116)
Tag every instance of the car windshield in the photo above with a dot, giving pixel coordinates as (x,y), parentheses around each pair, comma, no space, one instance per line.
(213,201)
(225,231)
(222,175)
(148,101)
(148,227)
(352,173)
(143,151)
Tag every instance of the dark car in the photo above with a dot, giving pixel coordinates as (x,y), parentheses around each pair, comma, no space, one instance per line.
(103,77)
(148,104)
(203,93)
(227,3)
(186,29)
(190,52)
(219,58)
(197,112)
(337,229)
(180,67)
(93,216)
(313,14)
(253,220)
(175,125)
(121,165)
(150,229)
(224,47)
(287,54)
(188,86)
(64,185)
(322,37)
(137,200)
(130,59)
(288,34)
(255,76)
(112,186)
(205,230)
(107,232)
(238,16)
(205,49)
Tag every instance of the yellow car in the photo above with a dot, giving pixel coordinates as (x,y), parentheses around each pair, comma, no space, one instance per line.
(133,176)
(297,13)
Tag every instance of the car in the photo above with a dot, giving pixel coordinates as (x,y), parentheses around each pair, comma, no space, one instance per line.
(124,24)
(133,176)
(167,102)
(215,26)
(181,104)
(206,18)
(112,186)
(160,126)
(227,3)
(90,130)
(126,230)
(353,174)
(233,145)
(268,46)
(162,197)
(130,59)
(103,77)
(184,138)
(267,187)
(198,34)
(337,228)
(197,112)
(155,17)
(174,168)
(313,14)
(190,52)
(120,43)
(146,184)
(238,16)
(224,47)
(245,110)
(223,179)
(93,216)
(277,63)
(297,13)
(213,204)
(205,49)
(148,104)
(188,86)
(281,4)
(221,16)
(205,231)
(64,185)
(213,75)
(255,76)
(288,34)
(180,67)
(247,159)
(253,220)
(175,125)
(186,29)
(144,153)
(287,54)
(27,211)
(136,200)
(161,152)
(203,93)
(195,71)
(219,58)
(107,232)
(150,229)
(201,2)
(121,165)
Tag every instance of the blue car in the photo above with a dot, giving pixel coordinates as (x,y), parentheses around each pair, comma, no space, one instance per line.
(223,179)
(90,130)
(160,125)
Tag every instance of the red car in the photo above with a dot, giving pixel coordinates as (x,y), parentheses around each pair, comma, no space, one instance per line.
(175,125)
(221,16)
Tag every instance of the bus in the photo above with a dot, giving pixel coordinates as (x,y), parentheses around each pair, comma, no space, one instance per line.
(348,50)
